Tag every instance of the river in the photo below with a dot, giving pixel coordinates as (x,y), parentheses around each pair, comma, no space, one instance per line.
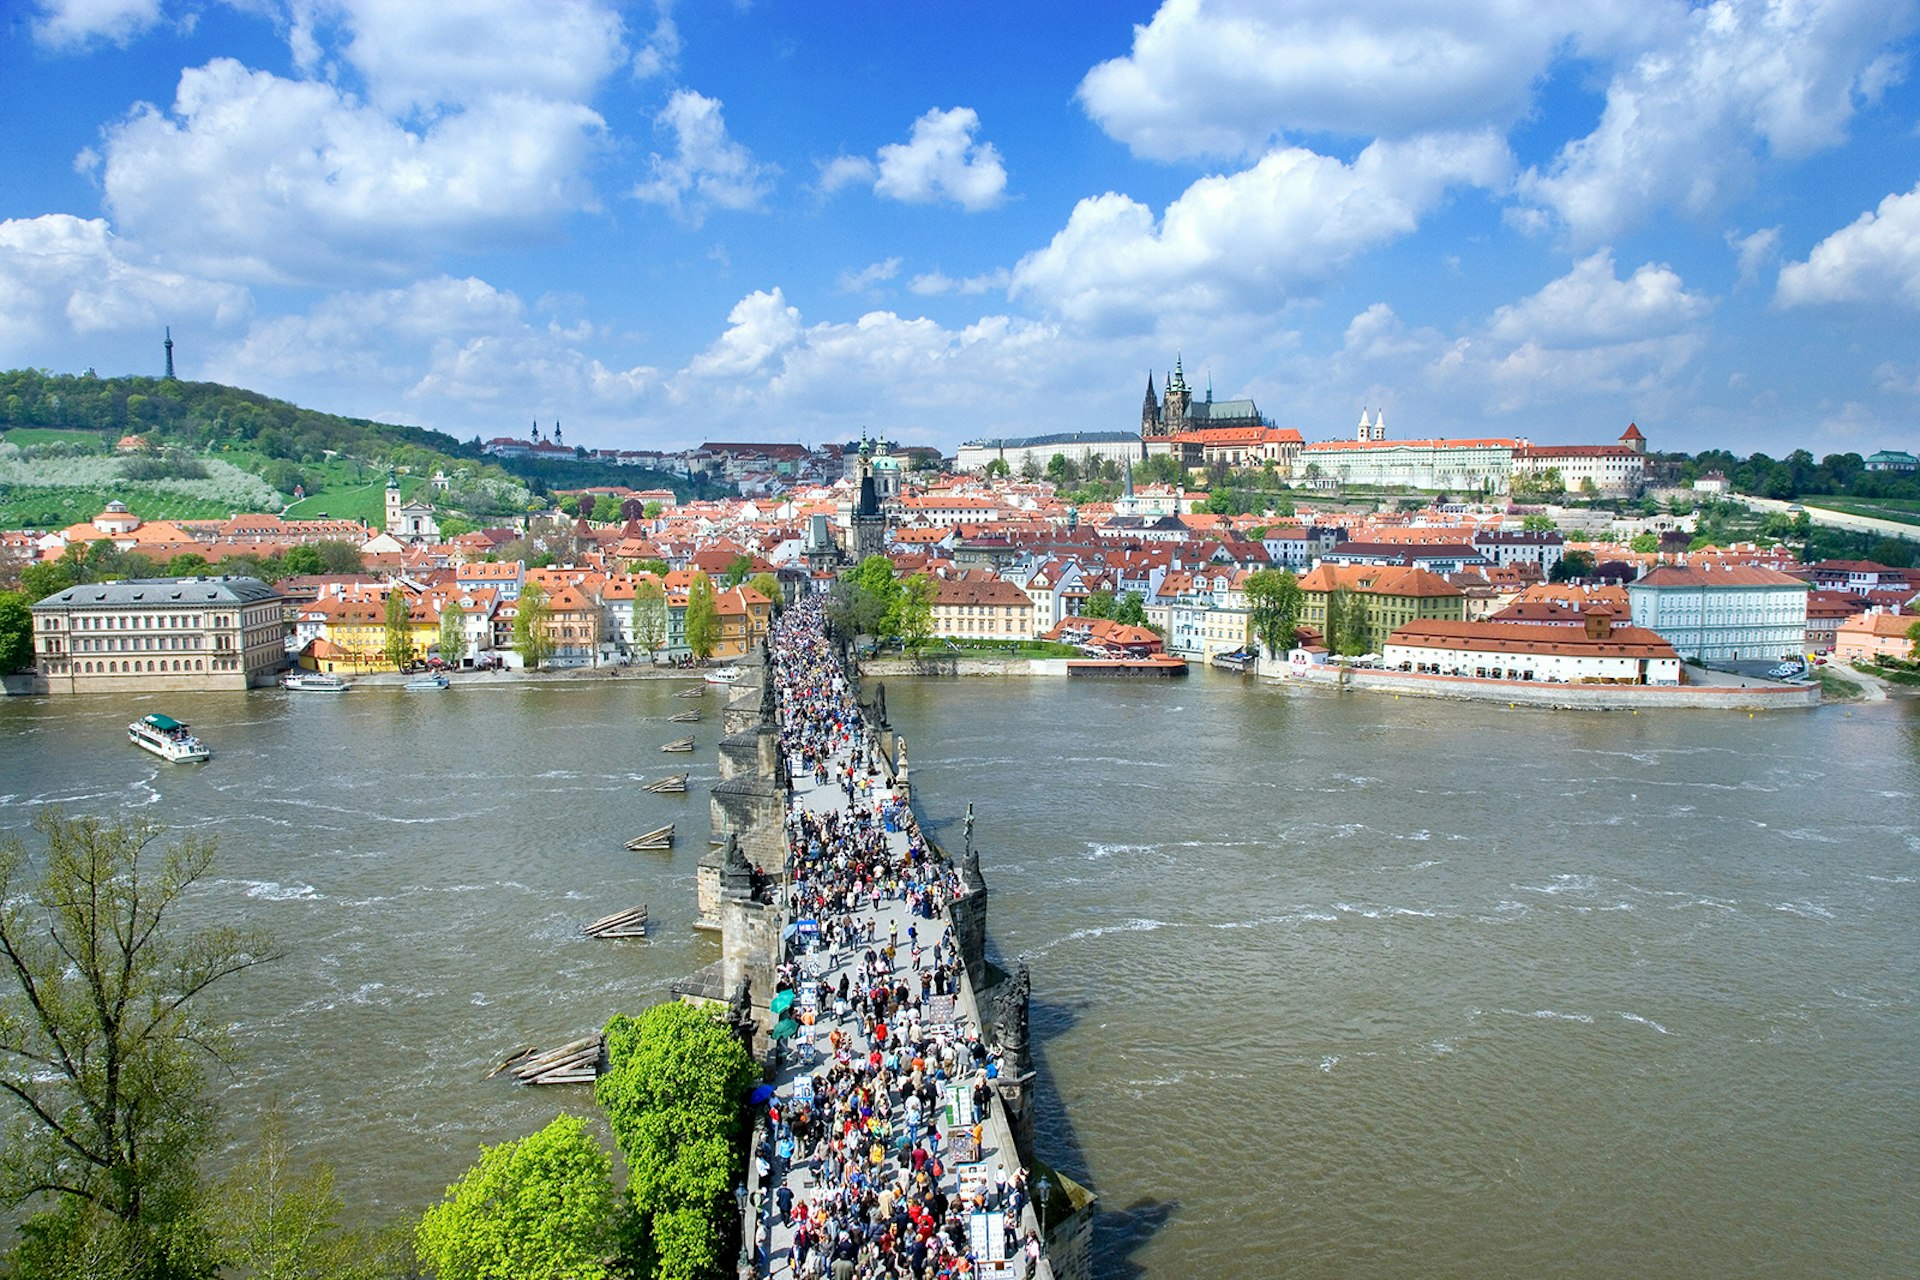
(1323,984)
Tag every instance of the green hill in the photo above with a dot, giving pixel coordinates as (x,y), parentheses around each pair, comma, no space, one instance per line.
(213,449)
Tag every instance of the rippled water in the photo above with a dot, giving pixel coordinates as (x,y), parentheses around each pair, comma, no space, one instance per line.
(1324,985)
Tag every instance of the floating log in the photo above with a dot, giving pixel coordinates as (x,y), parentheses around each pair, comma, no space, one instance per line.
(691,716)
(698,691)
(658,838)
(631,923)
(576,1062)
(509,1060)
(678,782)
(679,744)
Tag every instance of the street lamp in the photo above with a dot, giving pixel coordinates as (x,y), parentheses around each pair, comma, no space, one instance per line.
(1046,1188)
(745,1267)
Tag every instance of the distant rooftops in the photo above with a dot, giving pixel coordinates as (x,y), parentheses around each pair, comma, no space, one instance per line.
(162,592)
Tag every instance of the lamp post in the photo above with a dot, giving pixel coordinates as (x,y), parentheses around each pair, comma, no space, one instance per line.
(1046,1189)
(747,1233)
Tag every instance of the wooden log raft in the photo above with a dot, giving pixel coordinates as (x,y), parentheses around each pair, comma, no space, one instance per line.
(698,691)
(691,716)
(656,839)
(576,1062)
(679,744)
(676,783)
(631,923)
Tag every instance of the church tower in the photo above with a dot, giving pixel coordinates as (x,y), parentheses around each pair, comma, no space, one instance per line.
(393,502)
(1173,415)
(169,346)
(1150,412)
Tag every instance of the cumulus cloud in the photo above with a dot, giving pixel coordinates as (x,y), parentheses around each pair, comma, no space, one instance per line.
(940,160)
(1688,123)
(933,283)
(455,353)
(1590,304)
(659,54)
(1755,251)
(1876,258)
(413,55)
(707,169)
(66,284)
(869,276)
(72,24)
(1248,239)
(1229,77)
(255,177)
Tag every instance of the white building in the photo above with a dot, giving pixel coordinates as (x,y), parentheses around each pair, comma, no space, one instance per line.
(160,634)
(1598,653)
(1076,446)
(1453,466)
(1727,614)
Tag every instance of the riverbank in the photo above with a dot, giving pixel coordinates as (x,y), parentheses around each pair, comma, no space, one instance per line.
(1715,692)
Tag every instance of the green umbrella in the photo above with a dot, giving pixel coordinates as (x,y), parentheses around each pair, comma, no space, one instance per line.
(782,1001)
(784,1028)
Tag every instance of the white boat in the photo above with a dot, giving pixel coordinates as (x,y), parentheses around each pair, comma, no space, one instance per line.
(725,675)
(168,739)
(314,682)
(430,682)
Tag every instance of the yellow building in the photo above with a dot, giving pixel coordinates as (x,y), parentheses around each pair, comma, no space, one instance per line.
(746,618)
(1388,596)
(982,609)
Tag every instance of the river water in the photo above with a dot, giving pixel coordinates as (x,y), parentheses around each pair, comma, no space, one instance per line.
(1323,984)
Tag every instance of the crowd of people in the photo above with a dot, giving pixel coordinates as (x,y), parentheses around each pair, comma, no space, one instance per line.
(876,1155)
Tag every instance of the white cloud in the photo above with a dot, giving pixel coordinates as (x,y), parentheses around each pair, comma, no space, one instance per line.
(70,24)
(66,285)
(1876,258)
(941,161)
(453,353)
(659,55)
(759,328)
(869,276)
(1591,305)
(1248,239)
(707,169)
(1689,123)
(933,283)
(414,55)
(254,177)
(1756,251)
(1229,77)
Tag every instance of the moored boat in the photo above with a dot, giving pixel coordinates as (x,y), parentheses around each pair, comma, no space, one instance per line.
(725,675)
(167,738)
(428,682)
(314,682)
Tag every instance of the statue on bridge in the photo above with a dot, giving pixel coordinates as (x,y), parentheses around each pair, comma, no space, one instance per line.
(1010,1012)
(879,704)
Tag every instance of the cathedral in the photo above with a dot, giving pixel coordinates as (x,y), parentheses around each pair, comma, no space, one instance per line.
(1179,413)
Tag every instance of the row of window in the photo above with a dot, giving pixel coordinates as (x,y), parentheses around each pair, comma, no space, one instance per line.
(154,666)
(129,622)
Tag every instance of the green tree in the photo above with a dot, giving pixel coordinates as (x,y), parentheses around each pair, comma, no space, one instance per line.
(1347,630)
(769,586)
(276,1223)
(398,645)
(911,615)
(16,631)
(998,469)
(1537,523)
(339,557)
(453,633)
(873,589)
(1572,565)
(1098,604)
(541,1208)
(1274,599)
(738,571)
(532,639)
(1131,610)
(103,1046)
(672,1092)
(1913,640)
(191,565)
(649,616)
(703,617)
(1645,543)
(303,559)
(651,511)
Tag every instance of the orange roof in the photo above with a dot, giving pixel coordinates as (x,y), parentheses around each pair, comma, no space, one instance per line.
(1531,637)
(1729,575)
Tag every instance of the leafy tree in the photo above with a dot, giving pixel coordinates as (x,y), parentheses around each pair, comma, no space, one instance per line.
(541,1208)
(102,1046)
(1645,543)
(339,557)
(653,565)
(998,469)
(399,631)
(872,589)
(1131,610)
(303,559)
(1098,604)
(671,1094)
(1538,523)
(738,571)
(652,510)
(453,632)
(649,615)
(1573,564)
(911,615)
(769,586)
(703,617)
(531,637)
(1347,630)
(274,1223)
(46,577)
(16,631)
(191,565)
(1274,598)
(1913,640)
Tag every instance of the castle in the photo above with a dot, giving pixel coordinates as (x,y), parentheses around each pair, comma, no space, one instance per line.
(1179,413)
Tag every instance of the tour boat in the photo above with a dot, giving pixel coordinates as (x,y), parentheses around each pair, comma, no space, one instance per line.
(725,675)
(427,682)
(314,682)
(167,738)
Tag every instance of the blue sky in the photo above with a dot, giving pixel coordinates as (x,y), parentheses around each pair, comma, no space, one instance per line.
(659,223)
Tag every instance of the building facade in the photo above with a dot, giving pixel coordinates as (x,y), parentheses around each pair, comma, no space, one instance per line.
(1730,613)
(982,609)
(160,634)
(1596,653)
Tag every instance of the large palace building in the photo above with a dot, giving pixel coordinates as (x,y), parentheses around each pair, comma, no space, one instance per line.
(159,633)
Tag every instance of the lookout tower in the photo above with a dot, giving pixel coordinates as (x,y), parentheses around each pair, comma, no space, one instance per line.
(169,346)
